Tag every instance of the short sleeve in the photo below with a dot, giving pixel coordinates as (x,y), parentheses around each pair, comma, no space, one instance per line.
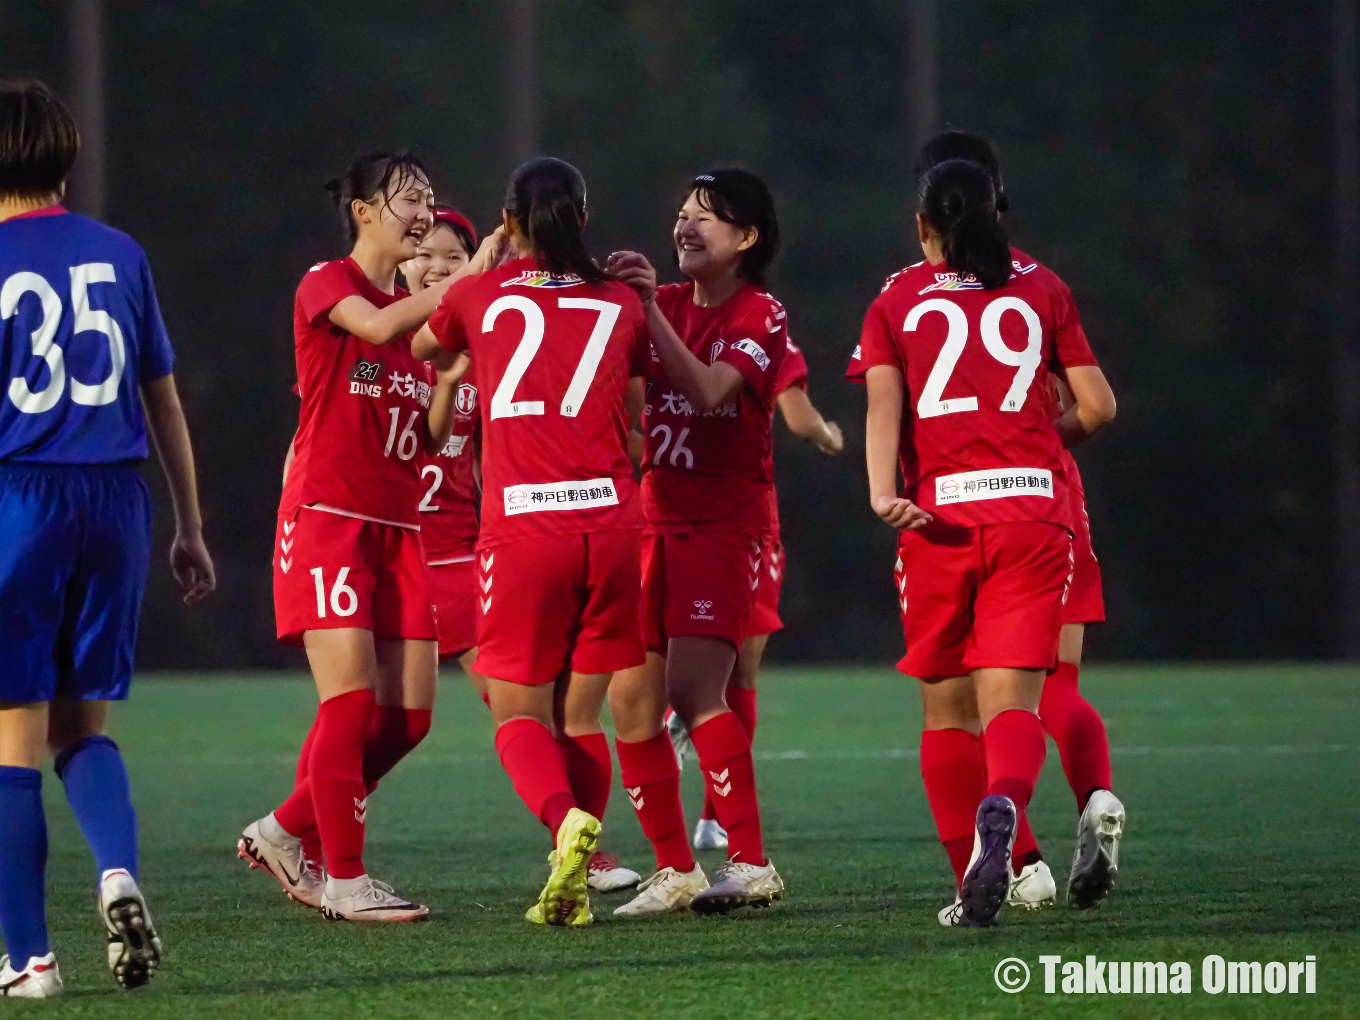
(1070,347)
(793,370)
(877,345)
(156,358)
(324,287)
(756,351)
(446,323)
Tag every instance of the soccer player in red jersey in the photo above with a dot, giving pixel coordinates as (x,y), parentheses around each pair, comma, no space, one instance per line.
(957,354)
(349,570)
(717,344)
(807,423)
(1074,724)
(561,350)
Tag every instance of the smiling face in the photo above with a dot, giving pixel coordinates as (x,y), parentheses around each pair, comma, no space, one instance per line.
(398,220)
(438,256)
(706,246)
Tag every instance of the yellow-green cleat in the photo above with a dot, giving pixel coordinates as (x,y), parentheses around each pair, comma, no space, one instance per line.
(565,900)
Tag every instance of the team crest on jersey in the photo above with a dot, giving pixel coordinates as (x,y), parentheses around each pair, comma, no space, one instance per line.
(541,279)
(362,378)
(465,400)
(718,347)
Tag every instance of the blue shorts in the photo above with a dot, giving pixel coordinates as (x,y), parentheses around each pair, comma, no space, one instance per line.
(73,563)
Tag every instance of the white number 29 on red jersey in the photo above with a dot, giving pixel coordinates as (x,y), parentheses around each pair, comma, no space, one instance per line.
(1025,362)
(503,402)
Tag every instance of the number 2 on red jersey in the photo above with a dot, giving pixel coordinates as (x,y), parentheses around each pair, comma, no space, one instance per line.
(503,402)
(1025,362)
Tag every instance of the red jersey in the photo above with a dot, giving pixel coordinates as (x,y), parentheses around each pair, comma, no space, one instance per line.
(715,468)
(978,444)
(448,523)
(553,356)
(793,371)
(361,428)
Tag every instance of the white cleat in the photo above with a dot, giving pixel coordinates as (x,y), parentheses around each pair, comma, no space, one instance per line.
(679,734)
(604,874)
(267,846)
(363,899)
(134,946)
(1033,887)
(952,915)
(709,835)
(665,892)
(740,885)
(1096,861)
(40,979)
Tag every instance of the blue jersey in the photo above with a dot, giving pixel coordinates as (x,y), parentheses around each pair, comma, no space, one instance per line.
(80,332)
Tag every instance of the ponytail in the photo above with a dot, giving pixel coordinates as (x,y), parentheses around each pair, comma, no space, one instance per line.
(546,197)
(958,199)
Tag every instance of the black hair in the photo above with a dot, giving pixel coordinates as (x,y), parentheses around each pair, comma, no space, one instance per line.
(461,232)
(956,144)
(373,173)
(39,140)
(958,199)
(741,198)
(546,197)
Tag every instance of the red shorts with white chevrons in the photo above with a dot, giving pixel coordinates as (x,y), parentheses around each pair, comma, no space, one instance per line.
(699,584)
(453,587)
(1086,597)
(765,617)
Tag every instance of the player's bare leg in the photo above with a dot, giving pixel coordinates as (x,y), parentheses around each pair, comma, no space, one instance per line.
(468,660)
(1085,751)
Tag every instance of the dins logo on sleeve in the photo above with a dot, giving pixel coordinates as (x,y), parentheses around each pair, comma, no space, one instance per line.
(363,376)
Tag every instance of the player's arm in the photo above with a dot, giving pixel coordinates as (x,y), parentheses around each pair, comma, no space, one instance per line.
(1092,406)
(634,398)
(440,418)
(189,558)
(705,386)
(807,423)
(882,436)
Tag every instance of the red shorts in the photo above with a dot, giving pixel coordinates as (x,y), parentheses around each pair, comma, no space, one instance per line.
(699,584)
(1086,597)
(563,601)
(978,597)
(453,585)
(765,612)
(333,571)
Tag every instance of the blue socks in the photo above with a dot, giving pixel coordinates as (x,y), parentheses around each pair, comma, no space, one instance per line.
(97,788)
(23,865)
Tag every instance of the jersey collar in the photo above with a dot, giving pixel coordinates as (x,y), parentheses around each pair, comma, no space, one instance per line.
(33,214)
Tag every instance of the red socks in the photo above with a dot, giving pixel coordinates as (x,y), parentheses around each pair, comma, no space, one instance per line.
(534,763)
(725,758)
(651,778)
(956,780)
(742,702)
(590,770)
(1079,732)
(334,793)
(1015,747)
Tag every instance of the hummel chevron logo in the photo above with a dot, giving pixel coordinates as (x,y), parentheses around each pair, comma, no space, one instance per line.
(898,567)
(486,604)
(721,777)
(360,810)
(288,527)
(635,795)
(902,584)
(287,544)
(487,561)
(486,584)
(284,564)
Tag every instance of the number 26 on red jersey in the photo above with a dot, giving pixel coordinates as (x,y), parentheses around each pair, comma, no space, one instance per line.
(503,402)
(1025,362)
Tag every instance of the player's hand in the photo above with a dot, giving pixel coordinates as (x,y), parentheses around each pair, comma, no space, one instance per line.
(192,566)
(900,513)
(832,442)
(491,253)
(633,270)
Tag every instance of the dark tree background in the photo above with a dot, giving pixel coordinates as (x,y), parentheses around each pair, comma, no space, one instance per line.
(1170,161)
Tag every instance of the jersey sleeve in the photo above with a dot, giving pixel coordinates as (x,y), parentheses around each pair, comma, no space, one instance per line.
(324,287)
(793,370)
(640,359)
(446,323)
(156,358)
(1070,347)
(756,349)
(876,344)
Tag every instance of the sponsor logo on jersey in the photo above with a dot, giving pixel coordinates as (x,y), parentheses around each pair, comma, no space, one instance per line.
(1022,270)
(363,378)
(454,447)
(994,483)
(407,385)
(703,610)
(539,278)
(465,400)
(755,351)
(952,281)
(529,499)
(678,403)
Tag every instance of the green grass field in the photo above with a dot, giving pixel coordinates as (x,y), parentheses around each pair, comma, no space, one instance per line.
(1240,784)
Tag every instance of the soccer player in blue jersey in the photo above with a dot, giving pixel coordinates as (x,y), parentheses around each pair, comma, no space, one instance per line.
(85,367)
